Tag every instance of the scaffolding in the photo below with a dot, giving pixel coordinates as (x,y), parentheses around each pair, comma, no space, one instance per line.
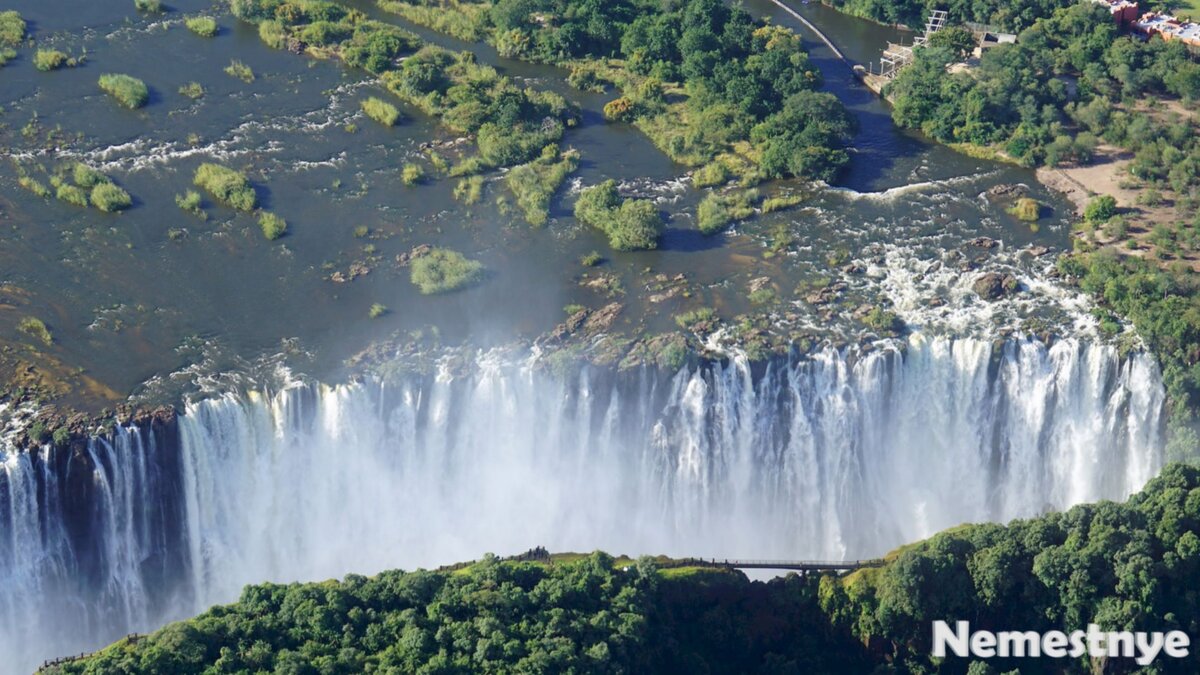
(896,56)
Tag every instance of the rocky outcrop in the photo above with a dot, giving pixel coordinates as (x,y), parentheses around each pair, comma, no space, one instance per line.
(994,285)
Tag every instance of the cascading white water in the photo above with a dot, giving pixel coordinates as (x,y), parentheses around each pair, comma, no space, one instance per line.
(835,454)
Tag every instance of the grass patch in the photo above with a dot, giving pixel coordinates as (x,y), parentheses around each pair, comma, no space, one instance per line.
(1027,209)
(631,224)
(109,198)
(189,201)
(443,270)
(695,317)
(71,194)
(712,174)
(46,60)
(412,174)
(781,202)
(240,70)
(533,184)
(204,26)
(377,310)
(273,227)
(34,185)
(469,190)
(716,210)
(128,91)
(149,6)
(381,111)
(87,177)
(591,259)
(192,90)
(36,329)
(12,29)
(226,186)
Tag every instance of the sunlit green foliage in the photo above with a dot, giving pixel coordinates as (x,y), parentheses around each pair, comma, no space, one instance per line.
(240,70)
(443,270)
(36,329)
(718,210)
(381,111)
(12,29)
(226,186)
(129,91)
(150,6)
(273,226)
(412,174)
(49,59)
(630,224)
(535,183)
(204,26)
(108,198)
(192,90)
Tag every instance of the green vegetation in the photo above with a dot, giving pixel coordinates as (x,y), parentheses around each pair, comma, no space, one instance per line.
(36,329)
(1027,209)
(129,91)
(71,194)
(273,227)
(87,177)
(442,271)
(240,70)
(12,29)
(34,185)
(630,224)
(226,186)
(469,190)
(381,111)
(696,318)
(1100,209)
(780,203)
(412,174)
(192,90)
(377,310)
(46,60)
(204,26)
(109,198)
(718,210)
(591,259)
(533,184)
(189,201)
(511,123)
(1129,566)
(711,174)
(150,6)
(702,79)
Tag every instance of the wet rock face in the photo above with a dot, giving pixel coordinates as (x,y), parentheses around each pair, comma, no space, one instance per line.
(994,285)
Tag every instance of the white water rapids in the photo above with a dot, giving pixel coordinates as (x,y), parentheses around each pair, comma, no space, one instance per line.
(836,454)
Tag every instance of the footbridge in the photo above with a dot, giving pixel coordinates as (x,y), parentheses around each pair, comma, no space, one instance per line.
(802,566)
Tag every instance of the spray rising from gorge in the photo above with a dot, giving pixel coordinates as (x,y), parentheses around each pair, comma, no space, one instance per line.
(834,454)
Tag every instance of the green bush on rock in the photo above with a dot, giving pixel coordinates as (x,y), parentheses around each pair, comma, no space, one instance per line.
(226,186)
(273,227)
(129,91)
(108,198)
(631,224)
(204,26)
(443,270)
(381,111)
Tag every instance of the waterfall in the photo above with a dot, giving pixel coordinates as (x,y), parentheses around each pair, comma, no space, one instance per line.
(832,454)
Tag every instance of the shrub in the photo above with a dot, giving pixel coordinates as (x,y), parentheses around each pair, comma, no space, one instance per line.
(1100,209)
(129,91)
(273,227)
(713,173)
(192,90)
(591,259)
(273,34)
(535,183)
(469,190)
(12,29)
(1027,209)
(381,111)
(35,328)
(38,433)
(412,174)
(377,310)
(87,177)
(226,186)
(188,201)
(881,319)
(630,224)
(240,70)
(152,6)
(619,110)
(34,185)
(695,318)
(204,26)
(49,59)
(71,194)
(772,204)
(108,198)
(716,211)
(442,270)
(61,436)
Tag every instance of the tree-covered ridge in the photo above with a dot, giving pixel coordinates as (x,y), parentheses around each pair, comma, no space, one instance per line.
(702,79)
(1126,566)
